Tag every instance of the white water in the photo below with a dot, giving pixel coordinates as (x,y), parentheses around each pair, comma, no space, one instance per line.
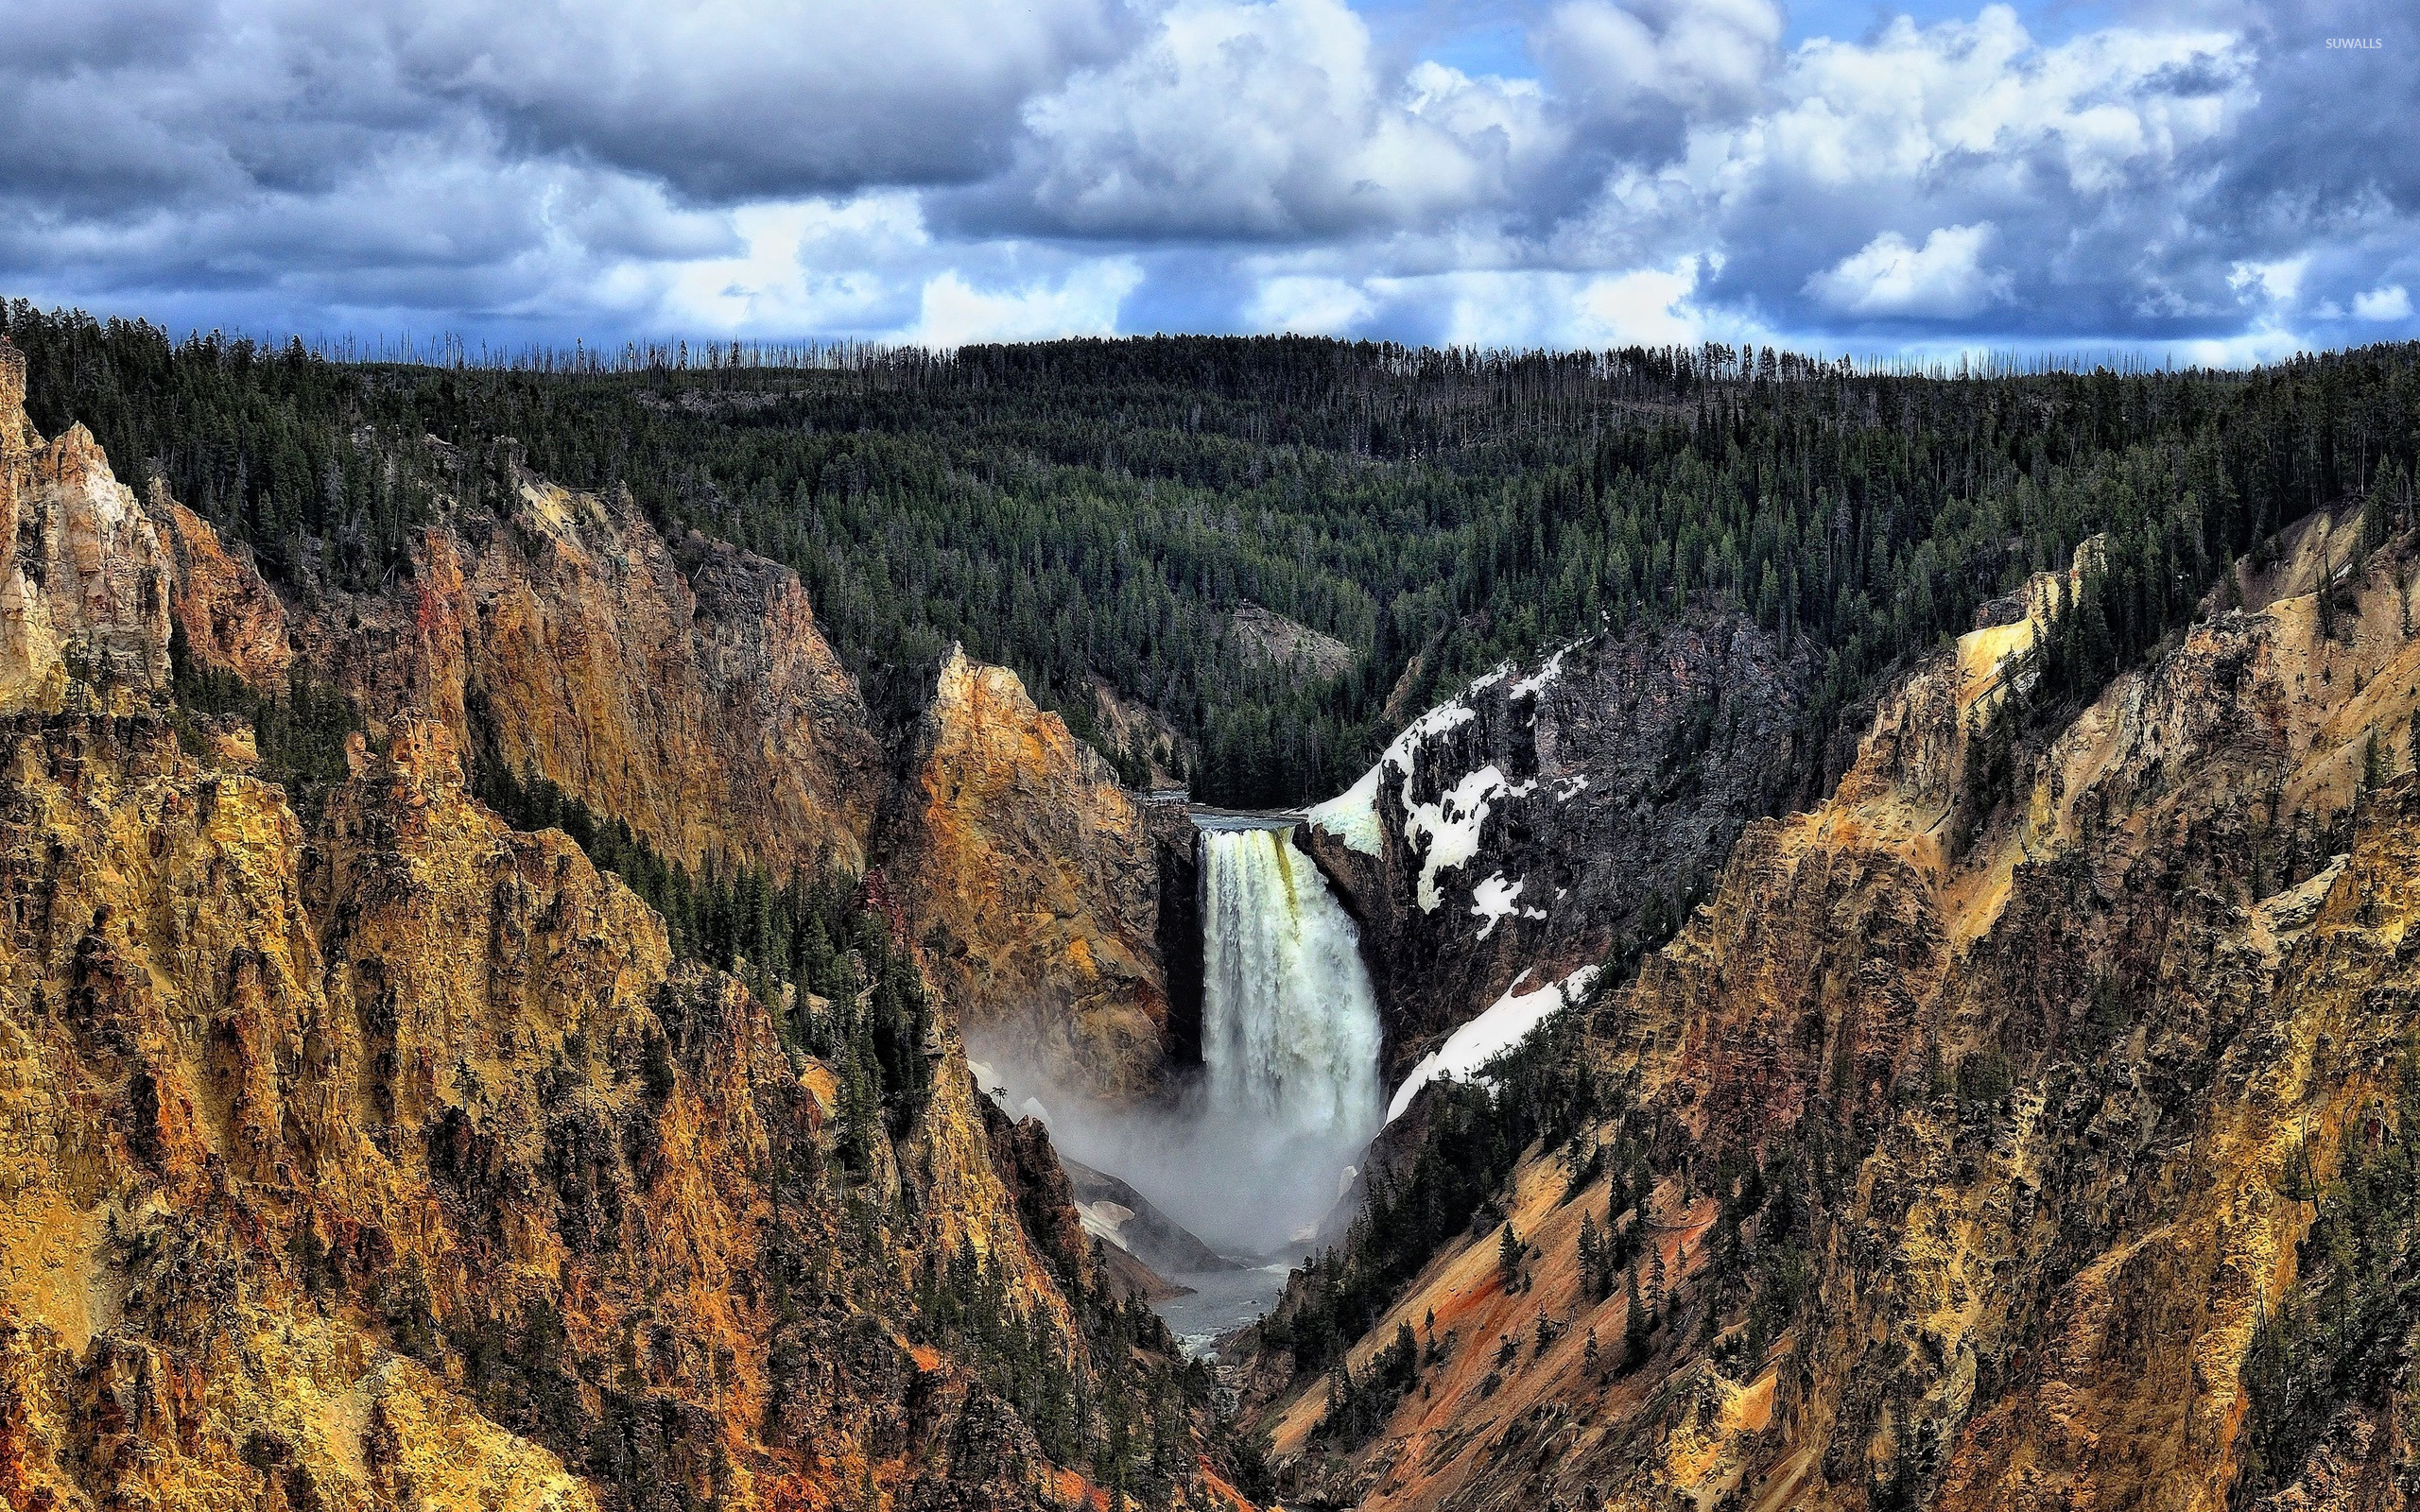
(1289,1026)
(1255,1157)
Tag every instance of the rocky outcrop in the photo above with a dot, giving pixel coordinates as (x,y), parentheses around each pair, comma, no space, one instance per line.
(681,687)
(1038,887)
(2038,1125)
(1154,754)
(1547,818)
(230,620)
(84,586)
(389,1157)
(1277,642)
(1120,1216)
(405,1165)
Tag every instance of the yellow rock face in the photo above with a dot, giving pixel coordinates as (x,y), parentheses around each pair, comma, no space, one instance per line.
(1032,880)
(231,619)
(689,694)
(681,687)
(83,586)
(392,1161)
(288,1128)
(2059,1076)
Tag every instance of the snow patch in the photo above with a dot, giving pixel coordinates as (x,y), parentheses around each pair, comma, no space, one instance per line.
(1428,726)
(1489,679)
(1568,788)
(1535,683)
(1493,901)
(1506,1023)
(1447,831)
(988,1084)
(1352,816)
(1106,1220)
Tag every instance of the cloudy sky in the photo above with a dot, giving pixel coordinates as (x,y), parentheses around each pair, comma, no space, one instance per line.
(2209,180)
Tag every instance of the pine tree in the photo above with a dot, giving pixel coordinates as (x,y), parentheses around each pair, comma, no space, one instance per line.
(1508,1253)
(2378,515)
(1638,1327)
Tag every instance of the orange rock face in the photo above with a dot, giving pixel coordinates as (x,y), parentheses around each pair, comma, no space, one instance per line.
(400,1170)
(83,591)
(392,1160)
(1034,884)
(681,687)
(231,620)
(688,692)
(2039,1099)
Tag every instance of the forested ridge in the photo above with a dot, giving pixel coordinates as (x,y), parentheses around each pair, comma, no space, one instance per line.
(1096,508)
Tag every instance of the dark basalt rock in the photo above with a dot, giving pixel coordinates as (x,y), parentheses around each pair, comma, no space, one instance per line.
(1628,771)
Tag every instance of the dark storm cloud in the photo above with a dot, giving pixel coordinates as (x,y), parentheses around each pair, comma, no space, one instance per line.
(2340,92)
(942,168)
(2325,167)
(738,102)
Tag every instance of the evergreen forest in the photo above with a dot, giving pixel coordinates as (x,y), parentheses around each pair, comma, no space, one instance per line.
(1093,511)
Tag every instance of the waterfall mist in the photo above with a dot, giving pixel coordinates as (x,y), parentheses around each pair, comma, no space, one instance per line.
(1255,1152)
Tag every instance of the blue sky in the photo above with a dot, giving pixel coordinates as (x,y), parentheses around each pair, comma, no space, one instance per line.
(2213,181)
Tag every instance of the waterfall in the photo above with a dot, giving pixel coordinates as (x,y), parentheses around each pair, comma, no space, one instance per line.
(1290,1024)
(1252,1155)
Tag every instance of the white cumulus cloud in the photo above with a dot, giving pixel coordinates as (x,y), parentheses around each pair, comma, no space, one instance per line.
(1084,303)
(2390,303)
(1943,277)
(1309,304)
(1703,57)
(1267,119)
(2210,180)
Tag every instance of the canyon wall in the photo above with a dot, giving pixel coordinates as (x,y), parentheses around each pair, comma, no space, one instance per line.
(372,1154)
(406,1167)
(1551,816)
(1046,897)
(686,689)
(1965,1146)
(682,687)
(84,588)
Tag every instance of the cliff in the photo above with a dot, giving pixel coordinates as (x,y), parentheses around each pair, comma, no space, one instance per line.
(83,591)
(378,1154)
(1549,818)
(686,690)
(409,1166)
(230,620)
(680,686)
(1043,894)
(2019,1172)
